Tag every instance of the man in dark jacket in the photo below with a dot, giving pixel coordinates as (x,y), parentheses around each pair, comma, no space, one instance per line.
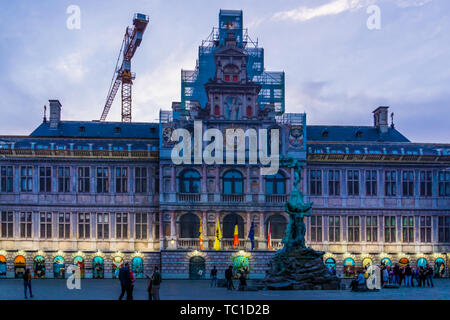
(229,278)
(429,276)
(156,283)
(125,281)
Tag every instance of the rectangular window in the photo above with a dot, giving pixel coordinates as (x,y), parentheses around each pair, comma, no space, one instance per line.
(84,179)
(26,179)
(102,180)
(63,179)
(334,228)
(334,182)
(140,179)
(64,225)
(141,225)
(408,229)
(389,229)
(371,183)
(25,224)
(426,183)
(45,219)
(353,228)
(390,183)
(121,179)
(84,225)
(102,225)
(353,182)
(7,224)
(121,225)
(408,183)
(444,229)
(444,183)
(6,179)
(45,179)
(316,229)
(425,229)
(371,229)
(315,182)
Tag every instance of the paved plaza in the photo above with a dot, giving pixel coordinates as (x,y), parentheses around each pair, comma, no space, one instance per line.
(109,289)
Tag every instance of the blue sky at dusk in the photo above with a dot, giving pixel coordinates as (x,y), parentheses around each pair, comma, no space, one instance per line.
(337,70)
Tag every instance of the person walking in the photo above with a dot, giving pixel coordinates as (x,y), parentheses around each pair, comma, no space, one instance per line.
(156,283)
(421,277)
(125,281)
(213,277)
(408,275)
(429,276)
(132,281)
(229,278)
(396,274)
(27,282)
(385,276)
(242,282)
(149,286)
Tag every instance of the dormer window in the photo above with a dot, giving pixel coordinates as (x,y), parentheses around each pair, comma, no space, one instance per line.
(231,73)
(82,129)
(325,133)
(358,134)
(235,78)
(117,129)
(227,78)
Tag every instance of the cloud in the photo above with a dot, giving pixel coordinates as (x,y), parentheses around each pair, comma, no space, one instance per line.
(335,7)
(72,67)
(412,3)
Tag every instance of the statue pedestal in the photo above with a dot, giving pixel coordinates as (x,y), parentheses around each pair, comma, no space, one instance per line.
(300,269)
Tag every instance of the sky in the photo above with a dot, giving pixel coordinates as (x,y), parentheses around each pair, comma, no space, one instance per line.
(338,70)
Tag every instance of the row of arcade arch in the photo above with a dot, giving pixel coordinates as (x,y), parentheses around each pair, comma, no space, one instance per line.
(350,267)
(59,266)
(197,266)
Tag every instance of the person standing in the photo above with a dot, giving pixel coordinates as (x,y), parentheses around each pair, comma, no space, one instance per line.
(27,282)
(408,275)
(149,286)
(421,277)
(213,277)
(156,283)
(385,276)
(132,281)
(125,281)
(229,278)
(429,275)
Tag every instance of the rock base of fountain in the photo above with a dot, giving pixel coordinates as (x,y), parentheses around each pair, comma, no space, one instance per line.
(300,269)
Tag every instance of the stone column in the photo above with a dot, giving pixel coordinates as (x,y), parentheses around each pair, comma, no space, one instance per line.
(161,230)
(205,230)
(173,225)
(263,240)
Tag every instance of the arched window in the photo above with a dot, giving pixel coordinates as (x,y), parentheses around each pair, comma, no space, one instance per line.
(19,266)
(349,268)
(229,222)
(189,226)
(439,268)
(278,225)
(275,184)
(98,268)
(79,262)
(403,261)
(137,266)
(233,182)
(2,267)
(197,268)
(190,182)
(58,267)
(422,262)
(39,267)
(331,265)
(241,264)
(116,265)
(367,262)
(386,261)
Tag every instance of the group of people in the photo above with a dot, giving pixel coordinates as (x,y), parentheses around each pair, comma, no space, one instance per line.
(243,275)
(406,275)
(127,280)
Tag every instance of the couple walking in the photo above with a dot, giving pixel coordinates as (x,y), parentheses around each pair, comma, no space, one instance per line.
(127,280)
(154,282)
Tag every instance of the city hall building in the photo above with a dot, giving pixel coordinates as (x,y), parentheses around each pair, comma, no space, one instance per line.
(97,194)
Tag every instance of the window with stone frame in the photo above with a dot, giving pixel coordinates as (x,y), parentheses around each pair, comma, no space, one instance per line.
(64,225)
(6,179)
(353,182)
(84,225)
(45,179)
(353,228)
(371,228)
(390,183)
(7,224)
(444,183)
(141,221)
(63,174)
(140,179)
(84,179)
(334,228)
(371,183)
(26,178)
(316,228)
(25,225)
(121,225)
(408,183)
(408,229)
(121,179)
(425,229)
(389,229)
(315,182)
(45,221)
(444,229)
(426,183)
(102,175)
(334,182)
(103,226)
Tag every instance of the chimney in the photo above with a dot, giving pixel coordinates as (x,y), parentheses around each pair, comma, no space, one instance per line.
(380,118)
(55,113)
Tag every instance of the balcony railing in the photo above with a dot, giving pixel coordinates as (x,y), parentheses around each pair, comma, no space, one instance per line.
(188,244)
(276,244)
(276,198)
(232,198)
(189,197)
(227,244)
